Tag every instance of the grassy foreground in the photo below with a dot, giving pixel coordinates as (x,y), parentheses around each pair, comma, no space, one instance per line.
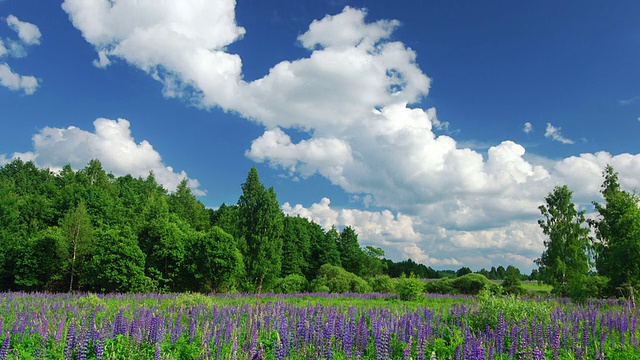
(318,326)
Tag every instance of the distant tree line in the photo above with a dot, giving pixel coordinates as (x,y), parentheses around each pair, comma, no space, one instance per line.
(595,257)
(89,230)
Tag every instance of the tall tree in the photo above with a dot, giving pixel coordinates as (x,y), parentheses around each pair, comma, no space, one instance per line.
(117,264)
(618,232)
(373,264)
(215,264)
(77,230)
(261,222)
(351,255)
(184,204)
(565,261)
(296,247)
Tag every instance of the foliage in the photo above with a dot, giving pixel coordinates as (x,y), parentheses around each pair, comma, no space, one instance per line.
(88,230)
(338,280)
(261,221)
(493,310)
(382,284)
(410,288)
(463,271)
(472,284)
(512,284)
(618,232)
(292,284)
(442,286)
(565,260)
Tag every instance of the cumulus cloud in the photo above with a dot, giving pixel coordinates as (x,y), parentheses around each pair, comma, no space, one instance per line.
(16,82)
(29,34)
(555,135)
(528,127)
(112,144)
(352,96)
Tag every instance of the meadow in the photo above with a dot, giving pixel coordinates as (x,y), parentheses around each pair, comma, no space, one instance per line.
(311,326)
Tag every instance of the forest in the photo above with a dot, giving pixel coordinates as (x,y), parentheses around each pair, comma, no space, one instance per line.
(89,230)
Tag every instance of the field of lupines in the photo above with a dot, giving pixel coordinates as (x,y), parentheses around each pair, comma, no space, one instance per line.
(373,326)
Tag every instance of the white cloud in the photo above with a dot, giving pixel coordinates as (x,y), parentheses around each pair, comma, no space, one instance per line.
(17,82)
(3,49)
(352,96)
(112,144)
(555,135)
(528,127)
(102,61)
(27,32)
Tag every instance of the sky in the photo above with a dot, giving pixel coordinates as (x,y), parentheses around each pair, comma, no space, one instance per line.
(434,128)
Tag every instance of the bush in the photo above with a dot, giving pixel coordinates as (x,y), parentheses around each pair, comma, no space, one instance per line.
(382,284)
(292,284)
(339,280)
(410,288)
(472,284)
(491,307)
(442,286)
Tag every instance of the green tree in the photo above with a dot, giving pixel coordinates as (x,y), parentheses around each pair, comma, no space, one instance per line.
(463,271)
(117,264)
(351,255)
(296,247)
(77,230)
(565,260)
(511,283)
(215,262)
(618,232)
(227,218)
(261,224)
(183,203)
(373,264)
(163,242)
(324,249)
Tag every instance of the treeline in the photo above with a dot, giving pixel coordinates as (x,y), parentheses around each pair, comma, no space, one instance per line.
(596,257)
(88,230)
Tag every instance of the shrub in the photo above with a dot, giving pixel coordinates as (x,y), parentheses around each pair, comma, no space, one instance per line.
(338,280)
(410,288)
(382,284)
(442,286)
(472,284)
(491,308)
(292,284)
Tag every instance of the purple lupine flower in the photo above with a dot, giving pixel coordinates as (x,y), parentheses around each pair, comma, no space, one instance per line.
(157,355)
(176,331)
(407,350)
(84,347)
(537,354)
(70,342)
(4,350)
(60,329)
(234,349)
(99,350)
(555,343)
(585,336)
(458,350)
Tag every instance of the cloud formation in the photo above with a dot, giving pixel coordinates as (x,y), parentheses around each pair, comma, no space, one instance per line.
(554,134)
(28,34)
(111,143)
(353,97)
(528,127)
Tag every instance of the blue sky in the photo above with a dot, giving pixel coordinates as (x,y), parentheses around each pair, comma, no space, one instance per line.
(434,128)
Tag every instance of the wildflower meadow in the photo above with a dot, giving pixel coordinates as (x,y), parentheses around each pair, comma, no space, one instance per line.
(312,326)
